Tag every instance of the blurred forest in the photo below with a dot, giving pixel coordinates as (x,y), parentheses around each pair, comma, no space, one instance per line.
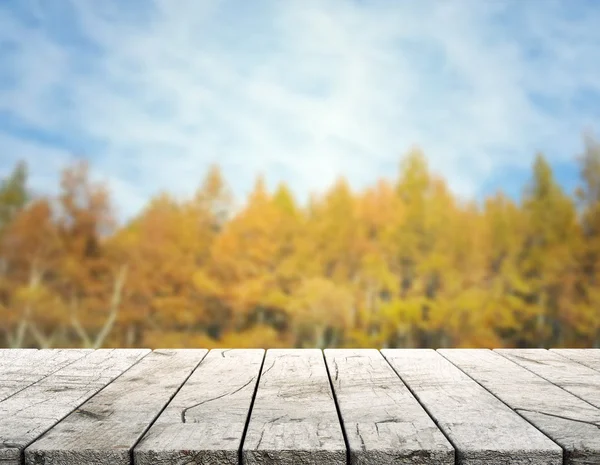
(403,263)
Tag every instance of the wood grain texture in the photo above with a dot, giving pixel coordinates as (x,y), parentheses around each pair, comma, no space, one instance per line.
(205,421)
(294,419)
(105,429)
(481,428)
(9,354)
(578,379)
(13,368)
(10,357)
(571,422)
(588,357)
(383,421)
(28,414)
(25,367)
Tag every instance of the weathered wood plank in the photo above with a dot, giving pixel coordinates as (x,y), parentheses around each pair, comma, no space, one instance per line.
(481,428)
(12,363)
(578,379)
(294,419)
(205,421)
(588,357)
(31,412)
(5,352)
(10,356)
(383,421)
(566,419)
(27,366)
(105,428)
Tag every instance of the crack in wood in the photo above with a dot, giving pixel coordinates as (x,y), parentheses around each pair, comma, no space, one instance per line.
(362,441)
(184,411)
(267,370)
(262,434)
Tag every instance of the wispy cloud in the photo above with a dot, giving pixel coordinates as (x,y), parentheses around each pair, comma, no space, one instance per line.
(302,90)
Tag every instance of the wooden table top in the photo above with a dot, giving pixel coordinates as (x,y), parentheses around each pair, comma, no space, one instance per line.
(299,406)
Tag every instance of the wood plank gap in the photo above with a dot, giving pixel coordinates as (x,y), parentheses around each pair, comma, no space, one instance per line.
(205,421)
(23,462)
(555,383)
(581,356)
(262,364)
(19,444)
(424,407)
(131,454)
(84,353)
(485,429)
(294,419)
(337,408)
(537,401)
(240,455)
(105,428)
(384,421)
(500,400)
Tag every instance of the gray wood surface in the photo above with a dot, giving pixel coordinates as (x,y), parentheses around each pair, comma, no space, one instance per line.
(191,406)
(25,367)
(294,419)
(9,357)
(481,428)
(13,367)
(7,350)
(104,429)
(383,421)
(578,379)
(588,357)
(205,421)
(568,420)
(31,412)
(8,354)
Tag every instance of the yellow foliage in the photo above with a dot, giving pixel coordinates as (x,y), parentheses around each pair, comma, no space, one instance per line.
(402,263)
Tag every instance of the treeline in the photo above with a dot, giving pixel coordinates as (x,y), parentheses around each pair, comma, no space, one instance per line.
(401,264)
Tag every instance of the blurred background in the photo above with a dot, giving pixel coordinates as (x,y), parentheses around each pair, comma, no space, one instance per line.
(299,174)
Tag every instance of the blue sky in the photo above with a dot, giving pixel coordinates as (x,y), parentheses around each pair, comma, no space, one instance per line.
(154,91)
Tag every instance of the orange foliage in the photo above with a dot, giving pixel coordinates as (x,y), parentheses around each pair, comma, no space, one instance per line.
(402,264)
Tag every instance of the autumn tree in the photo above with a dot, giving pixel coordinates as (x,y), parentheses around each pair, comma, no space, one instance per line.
(14,194)
(587,322)
(171,293)
(253,258)
(418,256)
(547,261)
(402,263)
(504,228)
(33,308)
(90,282)
(320,313)
(378,211)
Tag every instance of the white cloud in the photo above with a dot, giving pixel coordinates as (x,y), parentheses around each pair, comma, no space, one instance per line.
(300,90)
